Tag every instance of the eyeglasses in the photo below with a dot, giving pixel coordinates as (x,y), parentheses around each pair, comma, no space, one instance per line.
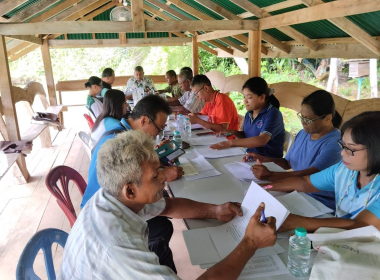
(159,129)
(348,150)
(308,121)
(196,93)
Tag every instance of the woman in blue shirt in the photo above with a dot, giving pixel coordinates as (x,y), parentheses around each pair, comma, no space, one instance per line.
(114,108)
(354,180)
(315,147)
(263,129)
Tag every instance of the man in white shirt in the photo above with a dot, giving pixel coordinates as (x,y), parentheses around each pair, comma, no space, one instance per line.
(187,103)
(109,238)
(139,80)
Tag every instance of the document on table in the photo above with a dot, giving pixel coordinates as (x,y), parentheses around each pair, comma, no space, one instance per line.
(210,153)
(243,172)
(298,205)
(188,168)
(204,169)
(205,140)
(196,126)
(317,204)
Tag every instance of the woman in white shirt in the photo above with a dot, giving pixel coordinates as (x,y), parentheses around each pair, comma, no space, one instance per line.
(114,108)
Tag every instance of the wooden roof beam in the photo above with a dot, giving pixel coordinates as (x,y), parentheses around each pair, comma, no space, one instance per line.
(32,10)
(137,10)
(351,29)
(319,12)
(7,6)
(28,38)
(282,5)
(79,10)
(261,13)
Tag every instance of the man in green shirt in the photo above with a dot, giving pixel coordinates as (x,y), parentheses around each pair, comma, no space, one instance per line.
(108,78)
(173,86)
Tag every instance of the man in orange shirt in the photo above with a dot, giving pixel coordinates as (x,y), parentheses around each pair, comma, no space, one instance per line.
(220,109)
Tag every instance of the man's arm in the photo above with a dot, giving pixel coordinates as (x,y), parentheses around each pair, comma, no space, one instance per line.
(173,101)
(261,172)
(213,126)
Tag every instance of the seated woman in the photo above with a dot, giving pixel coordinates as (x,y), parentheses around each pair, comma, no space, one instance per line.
(315,147)
(114,108)
(93,104)
(354,180)
(263,129)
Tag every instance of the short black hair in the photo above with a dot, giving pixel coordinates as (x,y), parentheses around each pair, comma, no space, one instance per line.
(171,73)
(187,75)
(150,106)
(259,86)
(186,68)
(365,130)
(322,103)
(108,72)
(93,80)
(200,80)
(139,69)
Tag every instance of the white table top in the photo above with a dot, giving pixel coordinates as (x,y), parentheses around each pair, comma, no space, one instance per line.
(217,190)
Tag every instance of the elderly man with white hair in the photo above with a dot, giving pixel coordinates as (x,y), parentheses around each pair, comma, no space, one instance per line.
(109,238)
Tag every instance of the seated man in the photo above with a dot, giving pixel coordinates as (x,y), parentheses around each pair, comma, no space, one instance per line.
(173,86)
(149,116)
(108,78)
(187,103)
(220,109)
(139,80)
(109,238)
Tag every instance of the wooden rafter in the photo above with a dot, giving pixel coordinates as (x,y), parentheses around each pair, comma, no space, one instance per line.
(282,5)
(351,29)
(137,11)
(261,13)
(7,6)
(33,10)
(28,38)
(84,6)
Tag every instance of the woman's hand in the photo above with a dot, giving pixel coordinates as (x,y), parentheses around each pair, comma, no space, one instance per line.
(222,145)
(261,172)
(252,157)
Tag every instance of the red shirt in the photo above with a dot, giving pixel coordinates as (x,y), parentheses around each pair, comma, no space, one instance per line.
(222,110)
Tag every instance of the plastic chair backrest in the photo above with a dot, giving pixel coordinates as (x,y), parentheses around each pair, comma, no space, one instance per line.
(85,138)
(44,240)
(288,141)
(89,120)
(64,175)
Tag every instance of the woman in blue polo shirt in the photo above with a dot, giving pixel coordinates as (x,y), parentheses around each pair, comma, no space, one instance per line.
(263,129)
(315,147)
(354,180)
(114,108)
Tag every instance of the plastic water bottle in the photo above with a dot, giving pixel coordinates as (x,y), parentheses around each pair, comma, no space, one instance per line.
(180,127)
(299,253)
(177,138)
(187,126)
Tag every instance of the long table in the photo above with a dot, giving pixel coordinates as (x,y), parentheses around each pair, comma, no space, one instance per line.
(217,190)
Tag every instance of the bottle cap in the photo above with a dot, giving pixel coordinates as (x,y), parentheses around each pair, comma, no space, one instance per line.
(301,232)
(187,119)
(180,115)
(176,132)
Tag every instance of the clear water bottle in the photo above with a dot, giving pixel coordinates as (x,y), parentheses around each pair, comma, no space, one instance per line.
(177,138)
(187,126)
(299,253)
(180,120)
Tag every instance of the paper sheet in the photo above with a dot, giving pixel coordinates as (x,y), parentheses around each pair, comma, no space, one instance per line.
(243,172)
(203,174)
(206,140)
(263,266)
(317,204)
(210,153)
(188,168)
(298,205)
(201,164)
(196,126)
(204,169)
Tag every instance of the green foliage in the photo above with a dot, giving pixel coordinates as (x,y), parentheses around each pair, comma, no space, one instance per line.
(366,84)
(211,62)
(345,91)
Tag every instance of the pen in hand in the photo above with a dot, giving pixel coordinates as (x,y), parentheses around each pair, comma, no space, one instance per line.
(263,220)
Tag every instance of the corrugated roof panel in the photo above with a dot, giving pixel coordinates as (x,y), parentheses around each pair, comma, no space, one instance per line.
(104,16)
(264,3)
(369,22)
(202,9)
(170,15)
(23,6)
(79,36)
(235,40)
(228,5)
(158,34)
(278,34)
(220,42)
(45,10)
(186,14)
(151,5)
(136,35)
(62,37)
(209,45)
(320,29)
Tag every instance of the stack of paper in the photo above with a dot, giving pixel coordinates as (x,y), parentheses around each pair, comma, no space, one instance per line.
(204,169)
(243,172)
(188,168)
(210,153)
(206,140)
(211,245)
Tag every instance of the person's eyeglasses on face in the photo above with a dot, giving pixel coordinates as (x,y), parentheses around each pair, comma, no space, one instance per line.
(308,121)
(348,150)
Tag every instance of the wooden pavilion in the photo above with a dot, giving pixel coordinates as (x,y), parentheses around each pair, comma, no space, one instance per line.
(253,29)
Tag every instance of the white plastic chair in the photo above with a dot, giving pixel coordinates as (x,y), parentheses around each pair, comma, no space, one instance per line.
(288,141)
(85,138)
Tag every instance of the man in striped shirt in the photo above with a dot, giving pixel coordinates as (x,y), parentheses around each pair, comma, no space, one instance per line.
(109,238)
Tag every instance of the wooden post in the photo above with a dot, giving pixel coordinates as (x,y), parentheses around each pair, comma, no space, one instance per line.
(138,20)
(194,51)
(332,83)
(123,38)
(9,109)
(254,54)
(48,73)
(373,77)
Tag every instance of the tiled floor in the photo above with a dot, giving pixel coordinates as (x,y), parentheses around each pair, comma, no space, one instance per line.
(26,209)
